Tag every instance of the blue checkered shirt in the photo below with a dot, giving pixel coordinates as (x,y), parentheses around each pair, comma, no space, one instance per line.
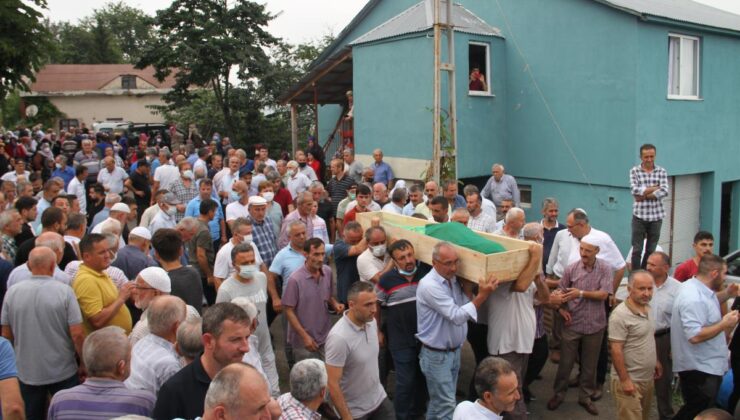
(263,236)
(649,210)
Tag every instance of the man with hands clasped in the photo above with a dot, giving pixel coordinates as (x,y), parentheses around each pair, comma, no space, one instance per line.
(585,286)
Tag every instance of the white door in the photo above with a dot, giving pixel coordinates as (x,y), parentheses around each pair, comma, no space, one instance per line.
(682,217)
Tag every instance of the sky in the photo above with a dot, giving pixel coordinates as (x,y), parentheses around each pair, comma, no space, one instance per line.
(300,20)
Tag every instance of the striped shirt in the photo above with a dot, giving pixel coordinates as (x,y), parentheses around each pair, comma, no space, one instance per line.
(650,210)
(153,361)
(589,315)
(397,297)
(100,398)
(338,190)
(263,236)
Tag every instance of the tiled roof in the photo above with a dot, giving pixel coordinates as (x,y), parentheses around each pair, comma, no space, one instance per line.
(90,77)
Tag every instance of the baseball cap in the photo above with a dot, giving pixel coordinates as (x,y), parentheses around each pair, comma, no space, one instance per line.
(157,278)
(123,208)
(171,198)
(141,232)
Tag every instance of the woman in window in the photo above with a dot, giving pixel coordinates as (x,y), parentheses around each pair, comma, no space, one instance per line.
(477,81)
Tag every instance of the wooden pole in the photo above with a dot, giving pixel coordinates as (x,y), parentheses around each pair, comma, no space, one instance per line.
(294,127)
(435,166)
(451,90)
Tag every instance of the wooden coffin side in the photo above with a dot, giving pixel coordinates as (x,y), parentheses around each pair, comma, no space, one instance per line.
(474,265)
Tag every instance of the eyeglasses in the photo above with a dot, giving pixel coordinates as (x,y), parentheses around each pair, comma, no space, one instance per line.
(136,286)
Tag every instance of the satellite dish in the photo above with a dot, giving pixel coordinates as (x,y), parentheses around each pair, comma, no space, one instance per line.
(31,111)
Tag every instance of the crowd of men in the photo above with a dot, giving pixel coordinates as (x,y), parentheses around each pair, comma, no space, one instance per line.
(141,278)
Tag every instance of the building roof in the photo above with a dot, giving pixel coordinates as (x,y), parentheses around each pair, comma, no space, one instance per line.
(90,77)
(687,11)
(420,18)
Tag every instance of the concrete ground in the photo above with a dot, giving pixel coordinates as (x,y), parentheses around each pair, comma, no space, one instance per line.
(541,389)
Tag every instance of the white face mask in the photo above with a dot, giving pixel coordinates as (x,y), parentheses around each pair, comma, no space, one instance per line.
(291,172)
(378,250)
(247,239)
(269,195)
(248,271)
(188,174)
(172,210)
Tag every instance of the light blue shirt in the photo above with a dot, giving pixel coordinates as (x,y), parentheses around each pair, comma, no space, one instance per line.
(409,209)
(40,207)
(286,261)
(443,312)
(383,172)
(22,273)
(696,306)
(193,210)
(497,191)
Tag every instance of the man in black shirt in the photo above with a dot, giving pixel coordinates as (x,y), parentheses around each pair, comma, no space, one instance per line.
(186,285)
(139,183)
(27,207)
(397,297)
(225,333)
(54,220)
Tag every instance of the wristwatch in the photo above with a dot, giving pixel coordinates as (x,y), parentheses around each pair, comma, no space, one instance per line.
(580,294)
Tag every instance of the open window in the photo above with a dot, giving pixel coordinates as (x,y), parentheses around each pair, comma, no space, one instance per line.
(683,66)
(479,68)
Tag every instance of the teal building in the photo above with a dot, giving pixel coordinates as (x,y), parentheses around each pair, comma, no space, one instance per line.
(574,88)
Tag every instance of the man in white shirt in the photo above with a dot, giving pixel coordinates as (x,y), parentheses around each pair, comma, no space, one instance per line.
(111,177)
(20,172)
(398,200)
(201,162)
(76,187)
(242,233)
(153,358)
(165,174)
(661,309)
(165,218)
(374,261)
(297,182)
(303,167)
(224,180)
(238,208)
(479,220)
(497,384)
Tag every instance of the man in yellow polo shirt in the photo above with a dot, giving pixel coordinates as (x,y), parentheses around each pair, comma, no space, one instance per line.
(102,304)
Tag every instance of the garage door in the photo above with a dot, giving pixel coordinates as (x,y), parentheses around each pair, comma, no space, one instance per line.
(682,217)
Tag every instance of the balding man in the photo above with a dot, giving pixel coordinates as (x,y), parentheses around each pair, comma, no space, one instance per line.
(238,207)
(431,190)
(380,194)
(41,318)
(513,224)
(239,392)
(500,186)
(56,244)
(352,166)
(153,358)
(107,357)
(297,182)
(585,285)
(443,310)
(304,203)
(382,171)
(461,216)
(111,176)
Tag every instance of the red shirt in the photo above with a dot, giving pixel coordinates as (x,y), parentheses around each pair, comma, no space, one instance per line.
(686,270)
(283,197)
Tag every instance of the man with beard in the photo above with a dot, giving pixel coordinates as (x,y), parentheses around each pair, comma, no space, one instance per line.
(225,340)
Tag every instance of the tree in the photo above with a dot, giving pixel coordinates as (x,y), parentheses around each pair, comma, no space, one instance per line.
(130,28)
(208,43)
(23,43)
(92,42)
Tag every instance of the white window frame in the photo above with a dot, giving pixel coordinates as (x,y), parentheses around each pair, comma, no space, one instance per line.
(697,67)
(488,92)
(525,188)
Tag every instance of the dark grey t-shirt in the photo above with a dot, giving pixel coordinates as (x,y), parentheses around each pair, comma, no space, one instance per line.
(187,286)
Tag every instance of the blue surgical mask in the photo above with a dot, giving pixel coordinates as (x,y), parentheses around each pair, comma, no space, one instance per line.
(248,271)
(235,196)
(407,273)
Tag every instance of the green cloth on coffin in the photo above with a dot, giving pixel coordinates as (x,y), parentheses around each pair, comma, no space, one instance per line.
(461,235)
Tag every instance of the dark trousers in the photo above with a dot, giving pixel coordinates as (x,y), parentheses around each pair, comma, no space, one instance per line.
(478,339)
(663,389)
(699,390)
(602,367)
(643,232)
(735,363)
(35,397)
(411,388)
(537,360)
(570,343)
(383,412)
(209,292)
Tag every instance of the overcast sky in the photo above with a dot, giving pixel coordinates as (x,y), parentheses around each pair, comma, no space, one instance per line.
(300,21)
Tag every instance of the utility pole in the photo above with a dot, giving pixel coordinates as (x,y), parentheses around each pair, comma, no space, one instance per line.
(444,28)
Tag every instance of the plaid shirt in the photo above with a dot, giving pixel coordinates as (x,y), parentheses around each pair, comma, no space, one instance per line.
(184,194)
(295,410)
(649,210)
(263,236)
(9,247)
(589,316)
(482,223)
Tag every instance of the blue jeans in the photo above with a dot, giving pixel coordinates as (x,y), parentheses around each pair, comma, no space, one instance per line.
(411,390)
(441,370)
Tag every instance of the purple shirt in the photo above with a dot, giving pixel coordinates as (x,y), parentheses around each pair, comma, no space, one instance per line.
(100,398)
(589,316)
(309,297)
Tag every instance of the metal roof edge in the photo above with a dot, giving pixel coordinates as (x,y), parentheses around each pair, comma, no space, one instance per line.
(691,25)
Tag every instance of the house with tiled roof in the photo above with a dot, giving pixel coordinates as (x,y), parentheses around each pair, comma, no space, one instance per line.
(89,93)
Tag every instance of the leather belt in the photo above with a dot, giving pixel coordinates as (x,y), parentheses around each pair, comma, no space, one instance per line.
(439,350)
(662,332)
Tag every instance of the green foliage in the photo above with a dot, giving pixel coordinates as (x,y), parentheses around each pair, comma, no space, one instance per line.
(91,43)
(10,111)
(23,43)
(447,156)
(210,42)
(130,28)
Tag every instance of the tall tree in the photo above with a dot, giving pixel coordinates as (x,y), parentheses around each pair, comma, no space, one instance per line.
(23,43)
(210,42)
(131,28)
